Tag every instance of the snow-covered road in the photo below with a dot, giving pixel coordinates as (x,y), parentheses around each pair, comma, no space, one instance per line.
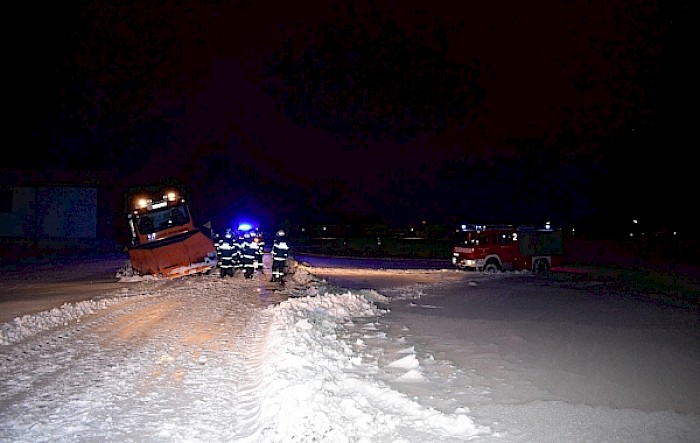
(458,357)
(147,360)
(216,360)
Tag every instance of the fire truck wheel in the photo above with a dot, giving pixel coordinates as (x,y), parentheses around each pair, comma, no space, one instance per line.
(542,266)
(492,267)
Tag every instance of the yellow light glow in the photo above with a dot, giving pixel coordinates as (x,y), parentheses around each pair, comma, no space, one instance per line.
(141,203)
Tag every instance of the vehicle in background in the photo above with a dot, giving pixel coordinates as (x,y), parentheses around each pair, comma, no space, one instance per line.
(493,248)
(164,239)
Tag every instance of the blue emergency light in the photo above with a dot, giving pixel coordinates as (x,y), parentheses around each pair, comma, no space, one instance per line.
(245,227)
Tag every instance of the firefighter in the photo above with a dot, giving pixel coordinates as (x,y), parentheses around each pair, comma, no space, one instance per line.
(226,247)
(248,251)
(217,239)
(239,251)
(280,252)
(260,241)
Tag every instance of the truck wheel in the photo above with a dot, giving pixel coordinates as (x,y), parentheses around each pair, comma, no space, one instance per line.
(492,267)
(542,267)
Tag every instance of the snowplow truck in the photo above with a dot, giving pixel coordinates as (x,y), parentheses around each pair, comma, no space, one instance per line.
(165,241)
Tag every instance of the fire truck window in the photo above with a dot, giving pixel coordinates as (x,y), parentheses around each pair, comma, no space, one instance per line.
(504,239)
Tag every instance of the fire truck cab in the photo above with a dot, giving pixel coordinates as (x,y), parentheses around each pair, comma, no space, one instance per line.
(493,248)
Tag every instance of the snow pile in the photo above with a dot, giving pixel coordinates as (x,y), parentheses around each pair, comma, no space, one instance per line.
(28,325)
(318,387)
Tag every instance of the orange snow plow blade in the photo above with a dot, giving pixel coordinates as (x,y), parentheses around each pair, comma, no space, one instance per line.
(188,253)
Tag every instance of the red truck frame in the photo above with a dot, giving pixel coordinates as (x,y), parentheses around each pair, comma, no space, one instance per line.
(505,247)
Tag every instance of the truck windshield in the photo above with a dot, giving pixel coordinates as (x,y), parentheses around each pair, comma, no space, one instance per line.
(162,219)
(469,239)
(472,239)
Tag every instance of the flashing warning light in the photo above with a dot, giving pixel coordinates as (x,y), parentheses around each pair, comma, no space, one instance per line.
(472,227)
(245,227)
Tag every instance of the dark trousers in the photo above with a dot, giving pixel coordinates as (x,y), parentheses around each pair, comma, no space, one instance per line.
(277,269)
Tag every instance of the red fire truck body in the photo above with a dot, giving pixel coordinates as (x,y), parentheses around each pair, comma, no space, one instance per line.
(506,247)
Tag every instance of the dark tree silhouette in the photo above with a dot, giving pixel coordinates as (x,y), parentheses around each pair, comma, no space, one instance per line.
(370,78)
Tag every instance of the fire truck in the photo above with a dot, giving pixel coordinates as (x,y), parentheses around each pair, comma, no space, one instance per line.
(494,248)
(164,239)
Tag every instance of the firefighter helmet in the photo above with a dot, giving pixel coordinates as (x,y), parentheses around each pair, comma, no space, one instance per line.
(280,233)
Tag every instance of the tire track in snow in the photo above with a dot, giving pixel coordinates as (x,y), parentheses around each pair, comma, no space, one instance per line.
(159,353)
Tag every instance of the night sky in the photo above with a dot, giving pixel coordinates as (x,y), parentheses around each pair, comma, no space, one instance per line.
(387,111)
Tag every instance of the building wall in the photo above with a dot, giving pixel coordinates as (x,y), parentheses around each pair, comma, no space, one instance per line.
(18,214)
(39,219)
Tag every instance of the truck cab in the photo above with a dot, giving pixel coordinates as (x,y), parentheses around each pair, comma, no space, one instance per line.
(164,240)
